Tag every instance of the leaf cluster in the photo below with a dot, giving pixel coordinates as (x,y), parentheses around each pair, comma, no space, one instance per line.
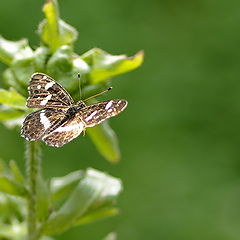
(56,57)
(81,196)
(62,202)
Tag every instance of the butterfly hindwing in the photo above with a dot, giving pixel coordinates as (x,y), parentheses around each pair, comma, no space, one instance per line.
(44,92)
(98,112)
(64,133)
(39,123)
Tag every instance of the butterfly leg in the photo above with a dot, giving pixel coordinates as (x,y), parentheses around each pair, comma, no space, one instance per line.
(84,131)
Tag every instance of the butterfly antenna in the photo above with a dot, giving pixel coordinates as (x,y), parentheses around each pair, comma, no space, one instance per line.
(97,94)
(79,86)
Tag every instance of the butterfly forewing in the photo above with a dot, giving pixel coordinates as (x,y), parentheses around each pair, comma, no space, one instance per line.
(98,112)
(41,122)
(44,92)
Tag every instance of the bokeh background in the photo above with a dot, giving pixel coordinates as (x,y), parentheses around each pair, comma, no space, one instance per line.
(180,135)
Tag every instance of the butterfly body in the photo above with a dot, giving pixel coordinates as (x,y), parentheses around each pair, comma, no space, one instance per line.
(60,120)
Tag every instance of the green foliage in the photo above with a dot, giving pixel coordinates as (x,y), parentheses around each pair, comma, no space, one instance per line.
(57,58)
(12,99)
(85,196)
(111,236)
(55,205)
(54,31)
(106,141)
(94,188)
(104,65)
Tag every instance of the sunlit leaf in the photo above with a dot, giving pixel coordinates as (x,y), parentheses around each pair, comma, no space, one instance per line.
(9,113)
(110,191)
(12,123)
(105,65)
(12,98)
(105,139)
(75,206)
(90,189)
(54,31)
(11,207)
(97,214)
(15,231)
(11,81)
(80,66)
(60,67)
(62,186)
(9,186)
(40,58)
(23,66)
(111,236)
(9,49)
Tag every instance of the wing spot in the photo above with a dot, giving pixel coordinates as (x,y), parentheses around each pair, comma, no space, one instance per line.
(68,128)
(44,120)
(109,105)
(110,110)
(44,101)
(48,85)
(90,116)
(44,77)
(38,86)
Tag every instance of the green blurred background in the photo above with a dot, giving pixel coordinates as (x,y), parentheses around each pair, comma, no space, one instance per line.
(180,134)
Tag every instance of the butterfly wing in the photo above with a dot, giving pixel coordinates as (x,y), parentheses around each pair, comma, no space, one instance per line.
(64,133)
(96,113)
(39,123)
(44,92)
(88,116)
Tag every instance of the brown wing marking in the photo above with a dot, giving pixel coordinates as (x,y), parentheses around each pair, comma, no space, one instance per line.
(44,92)
(97,113)
(64,133)
(38,123)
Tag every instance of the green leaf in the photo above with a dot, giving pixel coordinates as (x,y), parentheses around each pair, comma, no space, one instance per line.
(42,199)
(12,123)
(9,49)
(60,67)
(4,169)
(11,81)
(16,173)
(54,31)
(62,186)
(11,208)
(90,189)
(23,66)
(12,98)
(96,215)
(40,58)
(76,205)
(9,186)
(111,189)
(80,66)
(9,113)
(105,65)
(15,231)
(111,236)
(106,141)
(49,27)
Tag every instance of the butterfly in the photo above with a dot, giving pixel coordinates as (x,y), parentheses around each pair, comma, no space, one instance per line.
(59,120)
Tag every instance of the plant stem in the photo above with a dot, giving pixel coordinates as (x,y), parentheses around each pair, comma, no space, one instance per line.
(33,169)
